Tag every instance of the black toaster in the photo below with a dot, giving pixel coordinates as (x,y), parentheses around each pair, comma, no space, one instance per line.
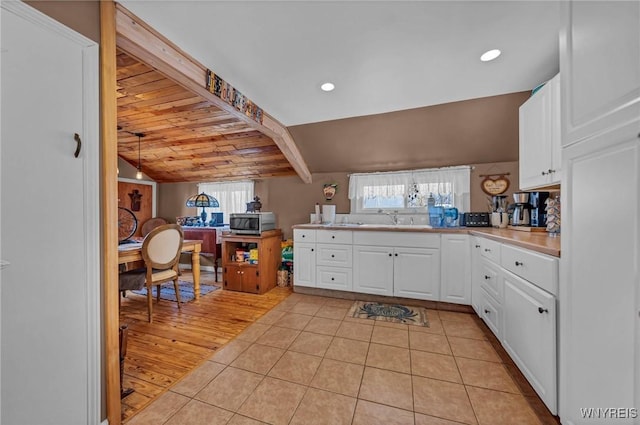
(476,219)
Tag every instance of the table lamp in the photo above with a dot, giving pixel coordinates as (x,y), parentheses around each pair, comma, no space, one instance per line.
(202,200)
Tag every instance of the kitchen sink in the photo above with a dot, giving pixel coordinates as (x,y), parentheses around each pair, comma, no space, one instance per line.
(398,226)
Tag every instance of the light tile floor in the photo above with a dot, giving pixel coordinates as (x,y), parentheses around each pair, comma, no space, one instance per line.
(305,362)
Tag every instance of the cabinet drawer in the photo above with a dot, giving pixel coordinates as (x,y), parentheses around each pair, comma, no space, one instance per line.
(334,236)
(334,278)
(539,269)
(334,255)
(491,280)
(397,239)
(492,314)
(490,249)
(304,235)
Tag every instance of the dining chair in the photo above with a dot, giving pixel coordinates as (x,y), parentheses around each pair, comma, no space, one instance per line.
(161,254)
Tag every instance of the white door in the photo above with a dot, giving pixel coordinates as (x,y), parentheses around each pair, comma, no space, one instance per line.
(50,333)
(416,273)
(373,269)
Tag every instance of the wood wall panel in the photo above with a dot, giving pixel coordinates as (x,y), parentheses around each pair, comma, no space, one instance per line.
(146,202)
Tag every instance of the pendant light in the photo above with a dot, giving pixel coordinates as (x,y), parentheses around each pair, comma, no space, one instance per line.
(139,173)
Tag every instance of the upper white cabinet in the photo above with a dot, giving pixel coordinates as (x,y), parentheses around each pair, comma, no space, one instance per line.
(599,57)
(540,145)
(455,268)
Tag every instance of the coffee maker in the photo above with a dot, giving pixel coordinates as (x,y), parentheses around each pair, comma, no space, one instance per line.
(520,216)
(537,203)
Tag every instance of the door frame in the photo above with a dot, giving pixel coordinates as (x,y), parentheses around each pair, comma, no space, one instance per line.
(90,152)
(109,202)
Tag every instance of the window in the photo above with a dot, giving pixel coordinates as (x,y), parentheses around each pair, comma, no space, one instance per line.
(409,191)
(232,196)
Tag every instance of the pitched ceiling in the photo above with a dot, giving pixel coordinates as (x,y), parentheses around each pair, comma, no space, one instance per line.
(186,138)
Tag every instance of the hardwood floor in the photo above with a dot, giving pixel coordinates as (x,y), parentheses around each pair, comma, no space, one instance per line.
(161,353)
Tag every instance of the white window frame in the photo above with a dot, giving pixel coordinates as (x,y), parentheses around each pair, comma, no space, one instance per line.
(458,177)
(227,202)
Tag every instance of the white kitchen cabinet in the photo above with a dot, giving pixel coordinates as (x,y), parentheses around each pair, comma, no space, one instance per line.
(416,273)
(337,278)
(540,146)
(475,274)
(529,335)
(599,295)
(455,268)
(373,269)
(599,58)
(404,264)
(304,264)
(304,257)
(600,290)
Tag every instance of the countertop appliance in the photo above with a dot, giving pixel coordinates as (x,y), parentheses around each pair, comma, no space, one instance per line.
(521,209)
(251,223)
(476,219)
(538,210)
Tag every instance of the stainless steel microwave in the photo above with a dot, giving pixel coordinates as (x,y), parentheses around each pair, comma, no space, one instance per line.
(252,223)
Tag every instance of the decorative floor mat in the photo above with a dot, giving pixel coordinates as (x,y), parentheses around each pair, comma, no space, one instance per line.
(395,313)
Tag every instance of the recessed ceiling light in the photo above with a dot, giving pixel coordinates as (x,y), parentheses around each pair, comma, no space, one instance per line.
(327,87)
(490,55)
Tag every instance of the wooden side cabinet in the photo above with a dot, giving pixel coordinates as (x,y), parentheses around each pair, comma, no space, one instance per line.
(255,278)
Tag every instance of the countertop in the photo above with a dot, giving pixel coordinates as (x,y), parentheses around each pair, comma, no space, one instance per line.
(535,241)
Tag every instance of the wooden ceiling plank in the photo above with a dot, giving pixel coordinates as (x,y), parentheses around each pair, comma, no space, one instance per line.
(140,40)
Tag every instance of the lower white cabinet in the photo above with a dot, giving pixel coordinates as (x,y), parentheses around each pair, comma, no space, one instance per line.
(416,273)
(373,269)
(455,286)
(338,278)
(304,264)
(530,335)
(514,298)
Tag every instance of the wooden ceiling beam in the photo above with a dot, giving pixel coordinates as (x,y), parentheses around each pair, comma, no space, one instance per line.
(139,40)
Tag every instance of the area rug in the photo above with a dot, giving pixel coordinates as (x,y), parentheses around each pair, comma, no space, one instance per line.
(395,313)
(167,292)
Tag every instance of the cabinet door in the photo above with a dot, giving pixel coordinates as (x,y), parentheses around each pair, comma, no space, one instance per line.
(535,135)
(304,264)
(416,273)
(456,269)
(250,279)
(599,291)
(373,269)
(232,277)
(476,271)
(599,58)
(530,335)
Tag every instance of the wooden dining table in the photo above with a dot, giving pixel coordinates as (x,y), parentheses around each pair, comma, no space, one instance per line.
(130,252)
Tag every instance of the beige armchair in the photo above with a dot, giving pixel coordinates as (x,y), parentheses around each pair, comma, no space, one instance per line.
(161,253)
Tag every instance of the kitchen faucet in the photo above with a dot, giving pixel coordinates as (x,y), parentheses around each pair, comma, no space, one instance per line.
(393,217)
